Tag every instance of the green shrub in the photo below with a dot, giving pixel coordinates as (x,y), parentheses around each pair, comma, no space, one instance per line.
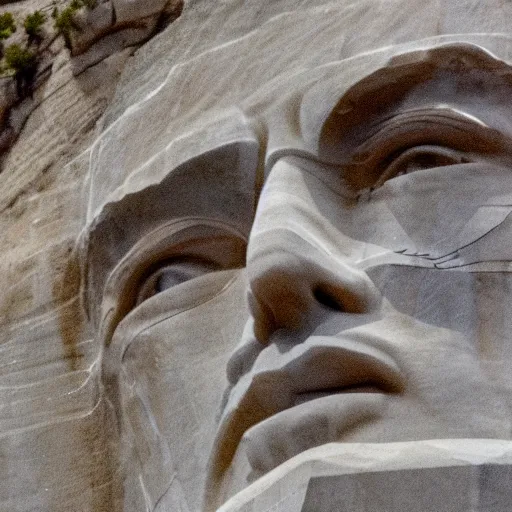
(19,58)
(23,62)
(78,4)
(33,25)
(7,25)
(64,23)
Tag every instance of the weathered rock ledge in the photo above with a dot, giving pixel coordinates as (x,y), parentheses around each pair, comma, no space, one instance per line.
(108,34)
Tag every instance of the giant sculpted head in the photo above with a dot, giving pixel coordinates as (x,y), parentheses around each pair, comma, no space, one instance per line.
(302,237)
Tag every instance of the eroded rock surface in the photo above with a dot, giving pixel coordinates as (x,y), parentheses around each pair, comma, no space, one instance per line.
(276,276)
(99,47)
(113,26)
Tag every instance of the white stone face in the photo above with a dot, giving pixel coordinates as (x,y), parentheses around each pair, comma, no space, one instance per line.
(371,273)
(300,236)
(375,263)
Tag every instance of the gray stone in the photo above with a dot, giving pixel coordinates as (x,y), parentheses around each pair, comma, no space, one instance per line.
(277,275)
(131,10)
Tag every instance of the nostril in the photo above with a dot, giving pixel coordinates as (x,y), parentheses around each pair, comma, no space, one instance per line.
(341,299)
(327,300)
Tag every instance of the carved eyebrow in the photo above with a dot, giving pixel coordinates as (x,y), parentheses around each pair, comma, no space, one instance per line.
(459,120)
(378,143)
(463,114)
(435,111)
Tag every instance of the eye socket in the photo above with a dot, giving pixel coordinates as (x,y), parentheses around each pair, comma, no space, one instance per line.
(417,140)
(172,254)
(418,159)
(173,273)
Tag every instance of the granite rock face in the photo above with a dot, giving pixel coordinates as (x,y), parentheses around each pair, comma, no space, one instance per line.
(99,44)
(112,26)
(276,276)
(129,10)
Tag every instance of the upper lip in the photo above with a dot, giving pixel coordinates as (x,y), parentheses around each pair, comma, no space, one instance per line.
(286,374)
(320,363)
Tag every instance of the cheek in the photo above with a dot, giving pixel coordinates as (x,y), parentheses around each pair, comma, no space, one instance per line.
(431,213)
(475,305)
(453,300)
(183,355)
(446,374)
(170,382)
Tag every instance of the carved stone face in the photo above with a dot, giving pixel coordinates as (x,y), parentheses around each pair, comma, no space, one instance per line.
(377,271)
(379,276)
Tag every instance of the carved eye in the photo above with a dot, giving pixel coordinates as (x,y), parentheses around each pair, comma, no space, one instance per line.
(418,159)
(172,274)
(418,140)
(173,254)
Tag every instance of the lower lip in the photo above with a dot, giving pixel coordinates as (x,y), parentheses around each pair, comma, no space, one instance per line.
(313,421)
(302,398)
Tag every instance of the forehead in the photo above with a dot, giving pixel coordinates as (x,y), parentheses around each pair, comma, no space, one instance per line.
(296,113)
(206,101)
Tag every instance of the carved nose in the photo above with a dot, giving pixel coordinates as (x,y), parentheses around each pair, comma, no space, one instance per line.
(295,284)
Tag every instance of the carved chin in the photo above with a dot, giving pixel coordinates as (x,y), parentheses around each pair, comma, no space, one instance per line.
(359,417)
(310,424)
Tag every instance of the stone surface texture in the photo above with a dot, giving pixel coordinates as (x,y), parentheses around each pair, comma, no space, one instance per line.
(269,268)
(420,476)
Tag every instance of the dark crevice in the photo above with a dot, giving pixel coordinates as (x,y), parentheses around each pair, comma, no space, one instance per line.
(327,300)
(171,12)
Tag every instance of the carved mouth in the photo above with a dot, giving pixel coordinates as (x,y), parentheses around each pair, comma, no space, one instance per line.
(295,399)
(308,396)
